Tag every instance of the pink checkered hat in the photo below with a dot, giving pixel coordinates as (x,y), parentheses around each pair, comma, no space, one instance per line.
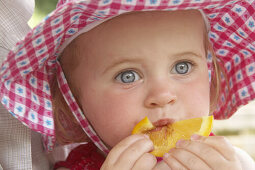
(27,70)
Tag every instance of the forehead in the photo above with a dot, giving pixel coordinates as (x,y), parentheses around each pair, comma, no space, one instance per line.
(179,30)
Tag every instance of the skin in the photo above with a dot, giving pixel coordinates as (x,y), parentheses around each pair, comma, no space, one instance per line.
(151,45)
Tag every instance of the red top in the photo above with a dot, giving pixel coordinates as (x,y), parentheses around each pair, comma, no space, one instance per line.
(83,157)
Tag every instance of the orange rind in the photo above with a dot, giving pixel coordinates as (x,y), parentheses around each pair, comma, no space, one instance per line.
(166,138)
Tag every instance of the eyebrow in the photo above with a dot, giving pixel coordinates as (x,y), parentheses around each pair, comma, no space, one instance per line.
(135,60)
(188,53)
(122,61)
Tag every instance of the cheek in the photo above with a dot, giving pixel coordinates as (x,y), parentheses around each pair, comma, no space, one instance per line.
(198,96)
(112,114)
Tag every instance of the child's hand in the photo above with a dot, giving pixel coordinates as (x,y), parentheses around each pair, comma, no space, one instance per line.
(213,152)
(131,153)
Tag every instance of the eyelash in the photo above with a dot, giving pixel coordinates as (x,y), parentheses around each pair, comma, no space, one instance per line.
(190,64)
(118,77)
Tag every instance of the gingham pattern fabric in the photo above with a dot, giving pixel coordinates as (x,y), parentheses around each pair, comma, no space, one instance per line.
(26,72)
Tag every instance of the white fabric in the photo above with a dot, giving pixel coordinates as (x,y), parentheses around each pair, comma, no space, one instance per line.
(39,158)
(15,143)
(14,15)
(245,159)
(15,138)
(20,148)
(16,152)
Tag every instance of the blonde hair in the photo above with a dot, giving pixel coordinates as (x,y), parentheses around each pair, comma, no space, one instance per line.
(218,70)
(70,131)
(67,128)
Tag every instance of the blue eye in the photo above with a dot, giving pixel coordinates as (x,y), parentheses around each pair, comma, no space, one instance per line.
(182,67)
(127,76)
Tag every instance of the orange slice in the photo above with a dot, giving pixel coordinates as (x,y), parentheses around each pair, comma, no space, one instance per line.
(166,138)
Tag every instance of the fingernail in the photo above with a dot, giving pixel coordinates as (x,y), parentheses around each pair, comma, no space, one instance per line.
(171,150)
(146,136)
(181,143)
(166,155)
(195,137)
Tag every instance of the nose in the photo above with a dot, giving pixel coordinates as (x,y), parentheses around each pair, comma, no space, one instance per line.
(160,95)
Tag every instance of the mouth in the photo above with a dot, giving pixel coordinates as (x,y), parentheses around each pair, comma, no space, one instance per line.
(162,123)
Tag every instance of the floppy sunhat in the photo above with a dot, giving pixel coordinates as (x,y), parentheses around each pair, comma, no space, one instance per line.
(29,67)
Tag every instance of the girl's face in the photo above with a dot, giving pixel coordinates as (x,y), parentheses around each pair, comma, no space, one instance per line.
(142,64)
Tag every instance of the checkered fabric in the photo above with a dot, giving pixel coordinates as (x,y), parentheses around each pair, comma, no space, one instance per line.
(26,72)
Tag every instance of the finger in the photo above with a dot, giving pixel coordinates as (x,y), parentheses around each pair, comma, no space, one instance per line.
(131,154)
(219,143)
(116,151)
(173,163)
(161,166)
(204,152)
(188,159)
(145,162)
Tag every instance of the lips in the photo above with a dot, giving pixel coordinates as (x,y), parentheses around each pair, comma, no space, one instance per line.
(162,123)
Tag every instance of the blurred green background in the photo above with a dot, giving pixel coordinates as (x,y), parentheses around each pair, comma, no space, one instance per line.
(239,129)
(42,8)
